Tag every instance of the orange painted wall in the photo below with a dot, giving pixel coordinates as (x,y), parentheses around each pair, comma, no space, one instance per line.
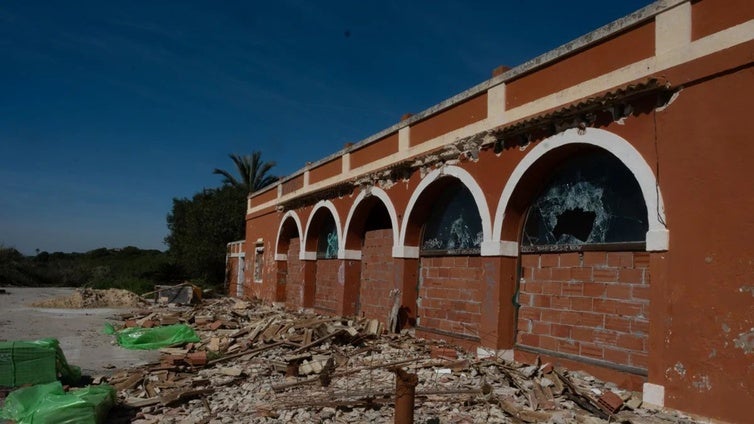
(707,179)
(376,150)
(711,16)
(270,194)
(264,226)
(609,55)
(458,116)
(326,170)
(293,184)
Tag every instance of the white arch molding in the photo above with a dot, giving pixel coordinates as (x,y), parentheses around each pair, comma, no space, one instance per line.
(658,236)
(297,221)
(382,195)
(403,251)
(312,256)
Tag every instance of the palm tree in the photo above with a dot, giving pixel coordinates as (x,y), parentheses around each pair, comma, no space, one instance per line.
(252,172)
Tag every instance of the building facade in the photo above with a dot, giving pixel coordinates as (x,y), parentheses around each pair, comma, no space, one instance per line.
(593,206)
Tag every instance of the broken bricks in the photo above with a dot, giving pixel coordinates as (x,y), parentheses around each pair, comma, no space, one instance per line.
(264,364)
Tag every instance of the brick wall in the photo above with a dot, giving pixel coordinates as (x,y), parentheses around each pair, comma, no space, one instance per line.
(593,305)
(376,274)
(294,282)
(328,293)
(450,294)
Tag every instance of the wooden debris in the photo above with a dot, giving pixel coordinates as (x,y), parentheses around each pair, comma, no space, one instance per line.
(258,363)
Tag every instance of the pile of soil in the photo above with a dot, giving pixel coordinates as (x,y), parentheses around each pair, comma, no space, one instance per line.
(94,298)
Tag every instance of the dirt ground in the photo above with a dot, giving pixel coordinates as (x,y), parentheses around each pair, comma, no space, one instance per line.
(79,330)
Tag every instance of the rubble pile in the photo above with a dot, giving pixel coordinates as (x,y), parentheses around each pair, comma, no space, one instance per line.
(262,364)
(94,298)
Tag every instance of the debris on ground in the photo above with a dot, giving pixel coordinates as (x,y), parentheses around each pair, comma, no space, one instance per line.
(259,363)
(180,294)
(94,298)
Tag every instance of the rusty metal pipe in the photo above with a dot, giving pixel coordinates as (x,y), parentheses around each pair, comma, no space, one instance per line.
(405,389)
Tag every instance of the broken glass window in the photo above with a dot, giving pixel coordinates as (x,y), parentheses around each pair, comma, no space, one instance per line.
(454,226)
(592,199)
(327,243)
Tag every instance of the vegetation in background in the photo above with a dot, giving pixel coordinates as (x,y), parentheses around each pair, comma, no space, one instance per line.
(128,268)
(200,229)
(253,174)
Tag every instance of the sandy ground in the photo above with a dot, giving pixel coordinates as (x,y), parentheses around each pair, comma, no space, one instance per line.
(78,330)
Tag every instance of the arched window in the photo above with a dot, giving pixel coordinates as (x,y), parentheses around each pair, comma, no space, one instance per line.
(327,242)
(591,202)
(454,226)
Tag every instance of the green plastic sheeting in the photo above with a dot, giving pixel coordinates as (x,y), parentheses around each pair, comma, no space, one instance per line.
(49,404)
(153,338)
(34,362)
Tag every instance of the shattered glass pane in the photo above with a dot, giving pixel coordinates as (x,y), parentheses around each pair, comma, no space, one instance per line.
(327,244)
(454,226)
(592,199)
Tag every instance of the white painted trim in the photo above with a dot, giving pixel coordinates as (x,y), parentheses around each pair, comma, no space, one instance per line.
(307,256)
(653,394)
(673,28)
(296,220)
(281,257)
(404,138)
(237,255)
(409,252)
(614,144)
(496,105)
(468,181)
(500,248)
(306,178)
(658,240)
(345,163)
(386,201)
(334,212)
(353,255)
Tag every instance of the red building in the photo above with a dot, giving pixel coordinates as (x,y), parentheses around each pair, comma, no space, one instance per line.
(594,206)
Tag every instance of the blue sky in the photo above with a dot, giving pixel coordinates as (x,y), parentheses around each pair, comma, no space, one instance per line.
(109,110)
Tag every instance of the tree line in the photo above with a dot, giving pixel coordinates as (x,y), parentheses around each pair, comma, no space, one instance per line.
(199,229)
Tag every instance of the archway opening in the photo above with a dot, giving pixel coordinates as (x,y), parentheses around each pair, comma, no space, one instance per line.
(374,229)
(446,225)
(290,281)
(583,290)
(322,238)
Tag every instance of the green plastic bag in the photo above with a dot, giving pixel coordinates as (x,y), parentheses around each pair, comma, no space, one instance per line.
(155,337)
(21,403)
(34,362)
(49,404)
